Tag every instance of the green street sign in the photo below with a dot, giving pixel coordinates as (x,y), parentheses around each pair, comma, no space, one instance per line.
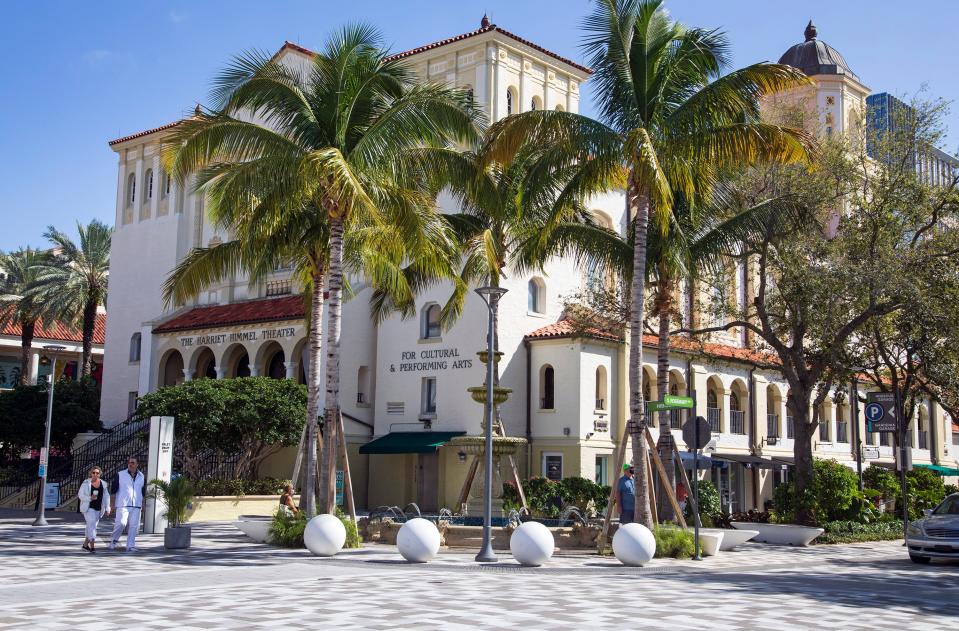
(673,401)
(656,406)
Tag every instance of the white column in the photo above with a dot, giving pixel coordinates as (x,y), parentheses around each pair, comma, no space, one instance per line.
(138,199)
(290,369)
(187,374)
(724,414)
(498,96)
(157,183)
(121,188)
(146,361)
(34,367)
(762,399)
(254,370)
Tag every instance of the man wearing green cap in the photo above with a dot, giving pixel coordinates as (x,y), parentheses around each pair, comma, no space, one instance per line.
(626,494)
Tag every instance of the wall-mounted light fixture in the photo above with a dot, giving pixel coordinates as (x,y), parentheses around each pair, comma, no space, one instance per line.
(461,455)
(565,431)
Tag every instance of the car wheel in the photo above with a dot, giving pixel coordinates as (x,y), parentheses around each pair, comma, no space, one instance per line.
(918,559)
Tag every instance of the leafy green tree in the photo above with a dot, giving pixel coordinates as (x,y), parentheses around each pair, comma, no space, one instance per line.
(876,242)
(73,281)
(23,416)
(326,140)
(670,123)
(18,272)
(250,416)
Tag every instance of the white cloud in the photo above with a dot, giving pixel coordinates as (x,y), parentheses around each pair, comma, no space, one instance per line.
(176,18)
(98,56)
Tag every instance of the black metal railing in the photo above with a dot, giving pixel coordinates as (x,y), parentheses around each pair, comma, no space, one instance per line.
(737,422)
(712,417)
(824,431)
(923,440)
(675,419)
(772,425)
(109,451)
(790,427)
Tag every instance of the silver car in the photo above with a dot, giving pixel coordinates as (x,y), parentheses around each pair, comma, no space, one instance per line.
(937,534)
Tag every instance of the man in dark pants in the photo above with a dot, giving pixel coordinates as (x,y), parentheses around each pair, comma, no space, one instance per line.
(626,495)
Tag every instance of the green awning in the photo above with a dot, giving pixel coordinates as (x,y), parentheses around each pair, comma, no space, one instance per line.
(408,442)
(941,470)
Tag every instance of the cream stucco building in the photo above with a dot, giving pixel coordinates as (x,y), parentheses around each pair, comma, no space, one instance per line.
(569,392)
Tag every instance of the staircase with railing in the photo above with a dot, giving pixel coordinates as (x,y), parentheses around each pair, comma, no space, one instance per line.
(109,451)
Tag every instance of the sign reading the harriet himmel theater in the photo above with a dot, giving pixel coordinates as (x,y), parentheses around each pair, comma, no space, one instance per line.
(238,336)
(431,359)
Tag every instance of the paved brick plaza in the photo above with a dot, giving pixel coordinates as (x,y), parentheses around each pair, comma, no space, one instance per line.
(225,581)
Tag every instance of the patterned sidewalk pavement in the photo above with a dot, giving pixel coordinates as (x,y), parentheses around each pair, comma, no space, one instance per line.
(229,582)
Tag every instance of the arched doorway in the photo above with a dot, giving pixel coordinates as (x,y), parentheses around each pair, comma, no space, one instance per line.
(171,369)
(205,364)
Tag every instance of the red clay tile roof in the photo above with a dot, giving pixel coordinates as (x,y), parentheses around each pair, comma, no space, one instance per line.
(60,332)
(566,328)
(249,312)
(459,38)
(144,133)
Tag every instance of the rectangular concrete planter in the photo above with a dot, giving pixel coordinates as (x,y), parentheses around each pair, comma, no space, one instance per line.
(781,534)
(230,507)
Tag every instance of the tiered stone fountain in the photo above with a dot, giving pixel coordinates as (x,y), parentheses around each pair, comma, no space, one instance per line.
(476,445)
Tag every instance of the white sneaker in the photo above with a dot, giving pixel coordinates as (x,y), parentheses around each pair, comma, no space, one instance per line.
(112,546)
(133,549)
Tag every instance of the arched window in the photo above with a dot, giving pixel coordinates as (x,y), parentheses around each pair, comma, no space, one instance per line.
(135,347)
(510,100)
(430,327)
(536,104)
(148,178)
(546,388)
(734,402)
(166,184)
(536,290)
(711,401)
(131,189)
(601,388)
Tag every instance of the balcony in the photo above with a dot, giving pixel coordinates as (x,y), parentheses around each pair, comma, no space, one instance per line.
(842,432)
(712,416)
(600,404)
(737,422)
(279,287)
(772,425)
(790,428)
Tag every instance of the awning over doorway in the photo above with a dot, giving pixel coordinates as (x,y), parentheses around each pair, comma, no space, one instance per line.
(408,442)
(705,462)
(749,461)
(941,470)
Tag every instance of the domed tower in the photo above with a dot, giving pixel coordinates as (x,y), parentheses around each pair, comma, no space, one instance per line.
(840,96)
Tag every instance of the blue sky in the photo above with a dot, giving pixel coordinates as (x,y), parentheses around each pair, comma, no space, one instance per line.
(77,74)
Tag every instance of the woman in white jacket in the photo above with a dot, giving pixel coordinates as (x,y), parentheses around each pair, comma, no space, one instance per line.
(94,503)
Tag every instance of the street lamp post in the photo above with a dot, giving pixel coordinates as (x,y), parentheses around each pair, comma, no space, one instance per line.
(490,296)
(41,517)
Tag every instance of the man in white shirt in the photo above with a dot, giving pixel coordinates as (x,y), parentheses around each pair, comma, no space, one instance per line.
(126,503)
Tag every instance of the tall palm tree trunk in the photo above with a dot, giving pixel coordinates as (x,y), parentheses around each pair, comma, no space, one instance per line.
(665,443)
(328,471)
(89,322)
(639,209)
(26,341)
(308,497)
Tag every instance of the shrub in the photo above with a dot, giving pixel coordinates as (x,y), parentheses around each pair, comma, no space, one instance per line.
(287,529)
(950,489)
(830,496)
(926,490)
(882,480)
(547,498)
(262,486)
(851,531)
(673,543)
(177,494)
(709,503)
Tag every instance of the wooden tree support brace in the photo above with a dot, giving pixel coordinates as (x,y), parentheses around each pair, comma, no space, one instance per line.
(652,488)
(347,478)
(670,493)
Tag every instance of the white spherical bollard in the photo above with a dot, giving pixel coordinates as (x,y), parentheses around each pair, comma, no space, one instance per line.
(418,540)
(324,535)
(634,544)
(531,544)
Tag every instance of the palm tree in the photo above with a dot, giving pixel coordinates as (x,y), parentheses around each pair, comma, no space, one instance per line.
(672,123)
(697,243)
(73,281)
(330,138)
(18,272)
